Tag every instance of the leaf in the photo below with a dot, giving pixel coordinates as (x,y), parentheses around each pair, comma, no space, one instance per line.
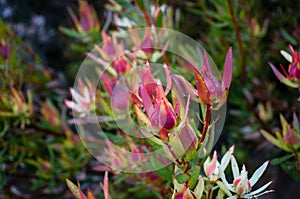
(90,195)
(284,125)
(198,191)
(185,87)
(105,186)
(141,4)
(288,37)
(259,190)
(223,188)
(159,20)
(235,168)
(72,33)
(227,73)
(141,116)
(258,173)
(289,168)
(182,178)
(203,93)
(286,55)
(280,160)
(226,158)
(194,177)
(165,173)
(270,138)
(73,188)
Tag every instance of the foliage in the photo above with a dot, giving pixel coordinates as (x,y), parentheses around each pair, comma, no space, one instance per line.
(40,148)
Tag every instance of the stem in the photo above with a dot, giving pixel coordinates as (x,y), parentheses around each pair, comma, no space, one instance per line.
(297,160)
(208,194)
(239,38)
(206,123)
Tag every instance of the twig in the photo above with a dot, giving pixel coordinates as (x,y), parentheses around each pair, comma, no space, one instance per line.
(239,39)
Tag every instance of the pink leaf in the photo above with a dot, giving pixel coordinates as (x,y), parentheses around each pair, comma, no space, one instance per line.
(276,72)
(227,73)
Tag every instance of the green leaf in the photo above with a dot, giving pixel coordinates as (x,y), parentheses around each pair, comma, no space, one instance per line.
(223,188)
(289,168)
(159,20)
(182,178)
(284,125)
(165,173)
(270,138)
(288,37)
(141,4)
(72,33)
(280,160)
(194,177)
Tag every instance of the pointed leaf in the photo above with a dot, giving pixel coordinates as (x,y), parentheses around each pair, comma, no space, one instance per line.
(169,79)
(226,158)
(90,195)
(270,138)
(227,73)
(182,178)
(282,78)
(286,55)
(203,93)
(284,125)
(258,190)
(140,115)
(194,177)
(235,168)
(206,65)
(258,173)
(223,188)
(199,188)
(185,88)
(227,185)
(280,160)
(276,72)
(73,188)
(146,99)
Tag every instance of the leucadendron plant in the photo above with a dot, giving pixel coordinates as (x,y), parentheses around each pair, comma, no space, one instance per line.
(162,113)
(288,137)
(38,148)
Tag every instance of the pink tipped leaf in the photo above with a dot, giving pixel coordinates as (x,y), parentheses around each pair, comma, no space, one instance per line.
(226,158)
(146,99)
(73,188)
(276,72)
(211,165)
(169,79)
(184,87)
(206,65)
(282,78)
(227,73)
(82,196)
